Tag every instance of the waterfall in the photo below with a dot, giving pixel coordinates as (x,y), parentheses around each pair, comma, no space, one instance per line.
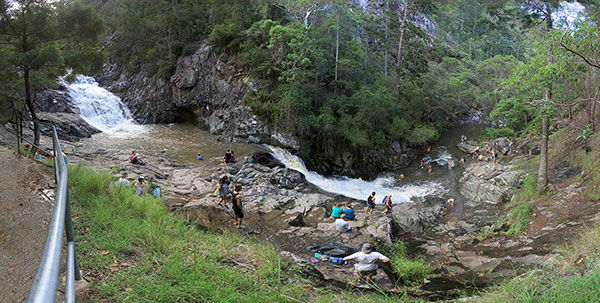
(98,107)
(356,188)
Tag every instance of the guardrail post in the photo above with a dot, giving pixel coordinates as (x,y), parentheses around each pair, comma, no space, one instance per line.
(54,144)
(71,235)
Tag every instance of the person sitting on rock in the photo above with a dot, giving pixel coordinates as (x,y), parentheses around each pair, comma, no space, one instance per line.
(463,139)
(229,158)
(336,212)
(366,262)
(134,158)
(349,212)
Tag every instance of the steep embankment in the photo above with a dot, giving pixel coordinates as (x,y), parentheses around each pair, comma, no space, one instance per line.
(564,219)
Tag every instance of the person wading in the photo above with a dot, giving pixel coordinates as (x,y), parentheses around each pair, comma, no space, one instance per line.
(236,201)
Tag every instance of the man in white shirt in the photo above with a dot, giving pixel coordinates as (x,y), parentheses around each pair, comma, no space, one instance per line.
(366,261)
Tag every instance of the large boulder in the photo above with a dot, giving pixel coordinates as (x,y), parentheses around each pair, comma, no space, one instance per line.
(287,178)
(69,126)
(489,183)
(265,159)
(415,217)
(468,147)
(501,145)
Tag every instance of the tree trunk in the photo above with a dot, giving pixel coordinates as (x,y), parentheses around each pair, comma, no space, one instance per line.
(543,169)
(337,50)
(30,107)
(385,57)
(400,49)
(542,181)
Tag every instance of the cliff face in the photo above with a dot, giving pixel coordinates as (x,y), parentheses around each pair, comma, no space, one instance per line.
(210,77)
(204,78)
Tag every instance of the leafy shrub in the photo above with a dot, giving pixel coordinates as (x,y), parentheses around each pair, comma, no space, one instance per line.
(493,133)
(410,271)
(262,104)
(188,50)
(422,135)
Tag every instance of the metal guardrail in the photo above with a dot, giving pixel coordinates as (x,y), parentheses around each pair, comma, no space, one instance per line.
(45,282)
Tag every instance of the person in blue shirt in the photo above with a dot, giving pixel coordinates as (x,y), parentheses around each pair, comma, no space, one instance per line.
(336,212)
(349,212)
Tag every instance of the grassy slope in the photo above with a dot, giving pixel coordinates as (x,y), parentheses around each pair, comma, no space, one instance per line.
(574,275)
(140,252)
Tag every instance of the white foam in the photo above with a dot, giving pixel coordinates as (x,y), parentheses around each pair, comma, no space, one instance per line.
(356,188)
(99,107)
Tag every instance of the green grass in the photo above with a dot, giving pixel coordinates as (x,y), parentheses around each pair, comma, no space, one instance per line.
(519,217)
(144,253)
(521,206)
(411,271)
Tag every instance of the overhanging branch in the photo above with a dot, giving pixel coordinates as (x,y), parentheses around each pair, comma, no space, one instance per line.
(596,65)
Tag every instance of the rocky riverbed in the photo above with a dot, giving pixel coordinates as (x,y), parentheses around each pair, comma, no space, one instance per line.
(446,236)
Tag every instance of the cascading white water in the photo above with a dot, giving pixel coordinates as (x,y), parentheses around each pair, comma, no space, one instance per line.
(98,107)
(356,188)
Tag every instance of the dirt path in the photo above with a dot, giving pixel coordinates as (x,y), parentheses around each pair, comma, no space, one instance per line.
(26,202)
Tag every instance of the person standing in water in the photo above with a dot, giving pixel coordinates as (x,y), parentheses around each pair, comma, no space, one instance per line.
(370,204)
(236,201)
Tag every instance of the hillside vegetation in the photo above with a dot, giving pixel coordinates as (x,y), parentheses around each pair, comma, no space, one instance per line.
(350,77)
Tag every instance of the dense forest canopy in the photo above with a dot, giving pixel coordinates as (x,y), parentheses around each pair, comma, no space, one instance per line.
(350,76)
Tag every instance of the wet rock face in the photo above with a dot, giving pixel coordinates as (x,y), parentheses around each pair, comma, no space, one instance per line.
(55,101)
(55,106)
(415,217)
(489,183)
(69,126)
(208,77)
(265,159)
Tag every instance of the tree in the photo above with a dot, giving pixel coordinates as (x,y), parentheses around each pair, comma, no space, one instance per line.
(43,39)
(583,44)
